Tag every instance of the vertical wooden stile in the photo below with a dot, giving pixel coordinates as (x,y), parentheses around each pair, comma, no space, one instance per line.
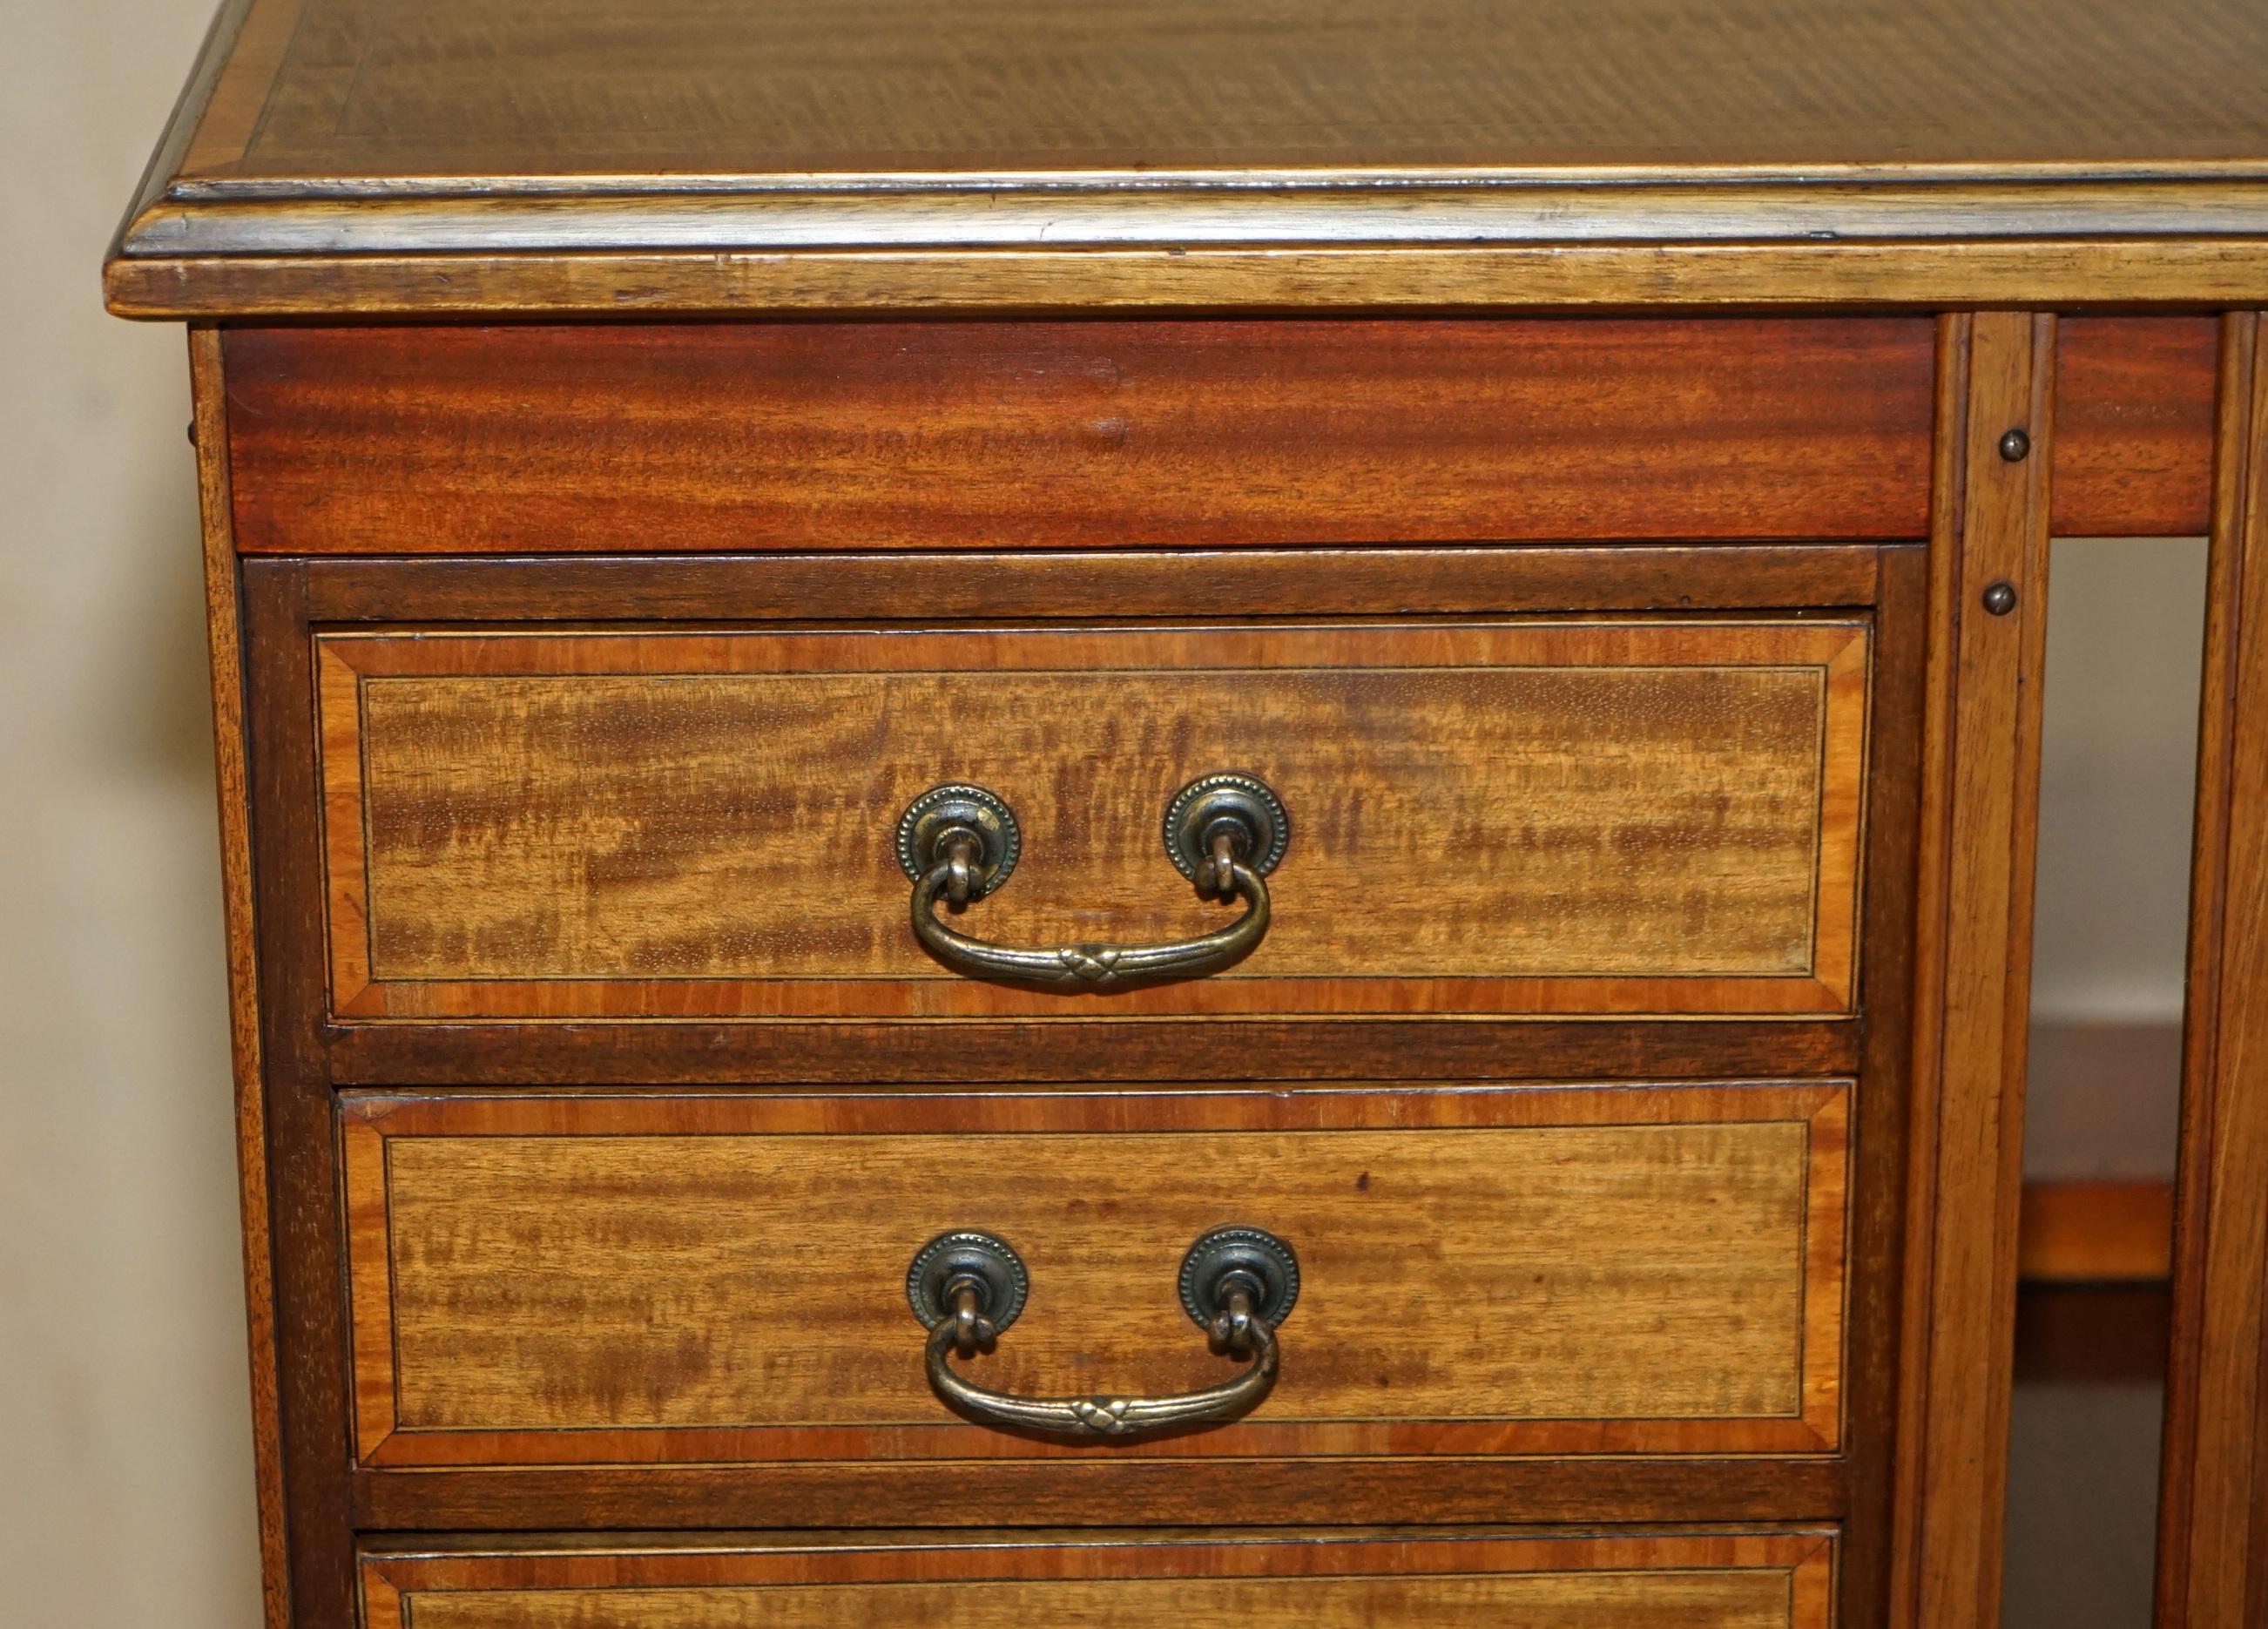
(1973,963)
(226,653)
(2212,1556)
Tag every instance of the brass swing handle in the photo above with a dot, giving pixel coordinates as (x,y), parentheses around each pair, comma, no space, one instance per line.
(1238,1282)
(958,843)
(1103,1416)
(1092,966)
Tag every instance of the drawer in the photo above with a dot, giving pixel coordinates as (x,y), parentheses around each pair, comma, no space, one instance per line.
(621,1279)
(1780,1579)
(1578,815)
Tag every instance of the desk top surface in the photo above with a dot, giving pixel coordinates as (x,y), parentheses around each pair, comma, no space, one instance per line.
(321,129)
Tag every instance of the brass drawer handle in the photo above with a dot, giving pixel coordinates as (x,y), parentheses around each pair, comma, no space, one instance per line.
(1224,832)
(1237,1283)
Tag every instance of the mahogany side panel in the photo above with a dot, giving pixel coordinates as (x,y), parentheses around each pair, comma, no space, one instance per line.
(1756,1580)
(541,439)
(2133,409)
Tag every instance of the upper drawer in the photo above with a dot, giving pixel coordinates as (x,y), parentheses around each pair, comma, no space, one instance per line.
(1576,815)
(728,437)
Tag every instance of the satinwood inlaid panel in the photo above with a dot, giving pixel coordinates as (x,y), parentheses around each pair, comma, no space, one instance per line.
(1580,816)
(1749,1579)
(588,1279)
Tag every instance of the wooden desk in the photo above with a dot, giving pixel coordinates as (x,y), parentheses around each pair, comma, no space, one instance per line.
(1592,468)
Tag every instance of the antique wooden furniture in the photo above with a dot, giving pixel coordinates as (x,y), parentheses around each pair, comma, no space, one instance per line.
(756,552)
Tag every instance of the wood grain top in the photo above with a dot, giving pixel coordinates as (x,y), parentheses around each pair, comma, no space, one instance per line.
(548,127)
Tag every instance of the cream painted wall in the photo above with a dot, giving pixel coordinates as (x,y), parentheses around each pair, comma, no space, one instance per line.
(2117,771)
(2117,767)
(125,1464)
(125,1477)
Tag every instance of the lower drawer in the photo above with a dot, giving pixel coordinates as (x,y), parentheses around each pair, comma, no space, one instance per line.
(593,1279)
(1779,1578)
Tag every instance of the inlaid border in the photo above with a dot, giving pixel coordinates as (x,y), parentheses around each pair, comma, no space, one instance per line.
(1840,650)
(369,1123)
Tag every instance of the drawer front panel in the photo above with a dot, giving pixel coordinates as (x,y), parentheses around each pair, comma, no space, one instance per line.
(767,436)
(586,1279)
(1773,1580)
(1582,816)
